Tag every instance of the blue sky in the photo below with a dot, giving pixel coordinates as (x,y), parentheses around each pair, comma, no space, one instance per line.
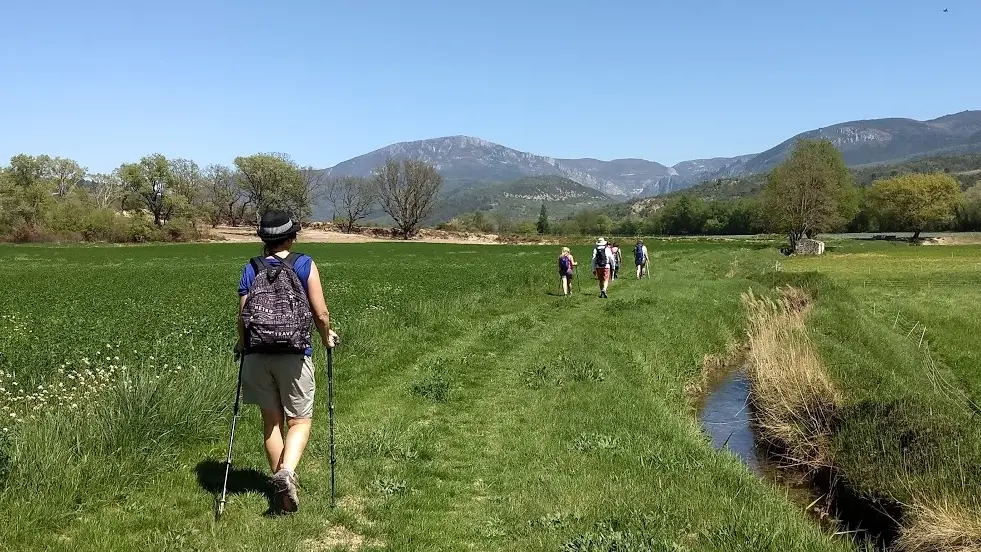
(107,82)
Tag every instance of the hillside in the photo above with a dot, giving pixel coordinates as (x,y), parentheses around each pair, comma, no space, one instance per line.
(964,167)
(467,162)
(521,199)
(880,141)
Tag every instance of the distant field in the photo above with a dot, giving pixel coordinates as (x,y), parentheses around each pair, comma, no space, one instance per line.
(476,410)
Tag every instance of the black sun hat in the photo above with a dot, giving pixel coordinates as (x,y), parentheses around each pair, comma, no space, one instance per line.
(277,225)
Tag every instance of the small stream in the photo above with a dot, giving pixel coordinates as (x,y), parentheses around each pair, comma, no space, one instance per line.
(726,416)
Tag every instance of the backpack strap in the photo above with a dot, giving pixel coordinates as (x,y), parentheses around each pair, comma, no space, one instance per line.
(291,259)
(258,263)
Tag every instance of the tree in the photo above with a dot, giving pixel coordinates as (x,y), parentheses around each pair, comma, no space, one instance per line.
(812,191)
(66,174)
(916,202)
(543,221)
(106,189)
(407,192)
(969,215)
(603,224)
(315,185)
(149,180)
(352,198)
(683,215)
(221,194)
(187,182)
(273,181)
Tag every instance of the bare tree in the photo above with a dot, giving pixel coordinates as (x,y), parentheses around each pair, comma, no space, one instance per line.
(107,189)
(315,184)
(352,198)
(407,192)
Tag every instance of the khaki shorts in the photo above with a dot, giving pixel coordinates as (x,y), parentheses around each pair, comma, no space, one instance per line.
(280,382)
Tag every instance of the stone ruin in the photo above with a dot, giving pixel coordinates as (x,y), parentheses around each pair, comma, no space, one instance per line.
(808,246)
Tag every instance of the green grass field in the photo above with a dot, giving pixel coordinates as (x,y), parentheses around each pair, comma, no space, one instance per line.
(476,410)
(897,327)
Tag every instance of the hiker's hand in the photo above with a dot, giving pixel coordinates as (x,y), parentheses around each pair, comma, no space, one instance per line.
(238,350)
(331,340)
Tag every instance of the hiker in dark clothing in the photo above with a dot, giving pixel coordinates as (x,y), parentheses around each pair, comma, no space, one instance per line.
(287,297)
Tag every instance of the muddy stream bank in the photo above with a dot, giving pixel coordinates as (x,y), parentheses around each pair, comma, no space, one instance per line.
(726,415)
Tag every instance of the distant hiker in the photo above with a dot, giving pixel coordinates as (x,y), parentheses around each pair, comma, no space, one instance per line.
(566,266)
(602,260)
(617,260)
(280,296)
(641,258)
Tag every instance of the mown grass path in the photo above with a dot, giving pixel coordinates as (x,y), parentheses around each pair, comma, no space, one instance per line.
(476,410)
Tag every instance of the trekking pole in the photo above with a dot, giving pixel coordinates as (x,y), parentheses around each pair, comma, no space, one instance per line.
(231,438)
(330,411)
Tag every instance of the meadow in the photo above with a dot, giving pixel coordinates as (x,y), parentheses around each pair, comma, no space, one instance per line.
(897,330)
(476,408)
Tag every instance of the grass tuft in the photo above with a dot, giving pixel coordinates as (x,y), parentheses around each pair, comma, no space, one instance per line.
(942,527)
(795,400)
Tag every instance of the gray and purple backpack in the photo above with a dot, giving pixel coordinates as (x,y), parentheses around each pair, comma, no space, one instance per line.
(277,312)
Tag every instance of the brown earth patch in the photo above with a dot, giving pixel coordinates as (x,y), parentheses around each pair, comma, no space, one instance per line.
(328,233)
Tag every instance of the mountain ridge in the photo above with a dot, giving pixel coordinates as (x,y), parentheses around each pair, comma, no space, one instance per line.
(468,162)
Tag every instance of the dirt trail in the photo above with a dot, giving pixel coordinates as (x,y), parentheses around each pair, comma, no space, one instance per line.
(326,233)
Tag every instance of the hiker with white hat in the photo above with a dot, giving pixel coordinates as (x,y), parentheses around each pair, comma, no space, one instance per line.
(602,262)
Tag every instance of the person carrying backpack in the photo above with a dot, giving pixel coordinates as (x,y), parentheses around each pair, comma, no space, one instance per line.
(280,296)
(566,266)
(641,258)
(602,262)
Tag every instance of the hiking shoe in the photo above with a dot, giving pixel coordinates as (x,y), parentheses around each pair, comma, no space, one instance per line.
(284,483)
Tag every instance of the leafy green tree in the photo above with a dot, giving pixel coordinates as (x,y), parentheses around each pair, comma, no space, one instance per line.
(222,195)
(272,181)
(66,174)
(527,228)
(150,181)
(28,190)
(969,215)
(812,191)
(543,221)
(603,225)
(683,215)
(916,202)
(407,191)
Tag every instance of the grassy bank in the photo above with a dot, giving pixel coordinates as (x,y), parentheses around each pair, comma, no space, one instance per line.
(476,410)
(896,328)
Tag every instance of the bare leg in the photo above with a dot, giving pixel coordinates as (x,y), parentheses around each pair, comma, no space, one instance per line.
(272,432)
(565,285)
(296,441)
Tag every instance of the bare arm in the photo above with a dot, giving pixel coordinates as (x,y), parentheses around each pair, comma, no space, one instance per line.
(318,304)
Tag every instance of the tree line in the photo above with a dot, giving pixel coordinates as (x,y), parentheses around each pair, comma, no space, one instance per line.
(44,198)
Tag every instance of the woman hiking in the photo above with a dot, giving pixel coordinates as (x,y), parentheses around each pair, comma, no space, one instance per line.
(566,266)
(279,296)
